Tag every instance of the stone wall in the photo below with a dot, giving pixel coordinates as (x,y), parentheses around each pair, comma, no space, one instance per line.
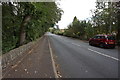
(7,58)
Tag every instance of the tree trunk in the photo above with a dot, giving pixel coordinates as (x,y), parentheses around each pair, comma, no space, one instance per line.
(118,20)
(22,34)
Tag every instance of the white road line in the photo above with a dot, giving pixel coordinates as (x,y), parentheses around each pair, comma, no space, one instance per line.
(53,63)
(103,54)
(76,44)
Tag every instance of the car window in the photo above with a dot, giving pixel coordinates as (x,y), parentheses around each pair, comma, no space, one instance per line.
(102,37)
(95,37)
(111,37)
(99,37)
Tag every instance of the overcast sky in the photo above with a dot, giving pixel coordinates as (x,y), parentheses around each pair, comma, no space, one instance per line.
(79,8)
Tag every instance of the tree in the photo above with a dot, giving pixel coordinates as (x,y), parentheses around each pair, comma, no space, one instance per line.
(27,21)
(118,22)
(104,17)
(79,29)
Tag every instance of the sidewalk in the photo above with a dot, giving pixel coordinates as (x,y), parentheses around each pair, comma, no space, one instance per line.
(36,64)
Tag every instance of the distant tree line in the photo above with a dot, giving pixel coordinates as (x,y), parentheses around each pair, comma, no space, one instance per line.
(79,29)
(23,22)
(105,20)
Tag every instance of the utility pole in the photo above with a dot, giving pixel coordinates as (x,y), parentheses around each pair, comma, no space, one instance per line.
(118,27)
(110,27)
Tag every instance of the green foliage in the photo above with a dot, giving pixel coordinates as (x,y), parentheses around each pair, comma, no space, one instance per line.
(103,21)
(79,29)
(105,18)
(42,15)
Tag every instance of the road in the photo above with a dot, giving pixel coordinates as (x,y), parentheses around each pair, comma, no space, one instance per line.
(77,59)
(59,56)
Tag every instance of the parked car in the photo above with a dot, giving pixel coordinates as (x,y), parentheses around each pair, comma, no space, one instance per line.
(103,41)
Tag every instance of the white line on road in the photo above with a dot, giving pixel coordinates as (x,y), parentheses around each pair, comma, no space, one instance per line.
(103,54)
(53,63)
(76,44)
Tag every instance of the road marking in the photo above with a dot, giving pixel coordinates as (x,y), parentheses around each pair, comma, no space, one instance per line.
(76,44)
(103,54)
(53,63)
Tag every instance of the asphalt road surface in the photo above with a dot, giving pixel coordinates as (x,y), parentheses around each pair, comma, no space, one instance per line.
(58,56)
(77,59)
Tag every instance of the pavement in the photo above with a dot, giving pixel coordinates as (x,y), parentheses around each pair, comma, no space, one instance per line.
(62,57)
(0,68)
(36,64)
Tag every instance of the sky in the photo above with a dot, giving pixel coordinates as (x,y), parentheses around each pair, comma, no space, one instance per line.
(79,8)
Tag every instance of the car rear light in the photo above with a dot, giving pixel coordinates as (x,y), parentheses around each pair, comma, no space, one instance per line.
(106,43)
(111,42)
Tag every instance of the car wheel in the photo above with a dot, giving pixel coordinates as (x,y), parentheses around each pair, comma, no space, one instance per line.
(90,43)
(113,47)
(101,45)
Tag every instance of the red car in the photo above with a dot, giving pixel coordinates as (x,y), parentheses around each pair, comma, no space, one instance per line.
(103,41)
